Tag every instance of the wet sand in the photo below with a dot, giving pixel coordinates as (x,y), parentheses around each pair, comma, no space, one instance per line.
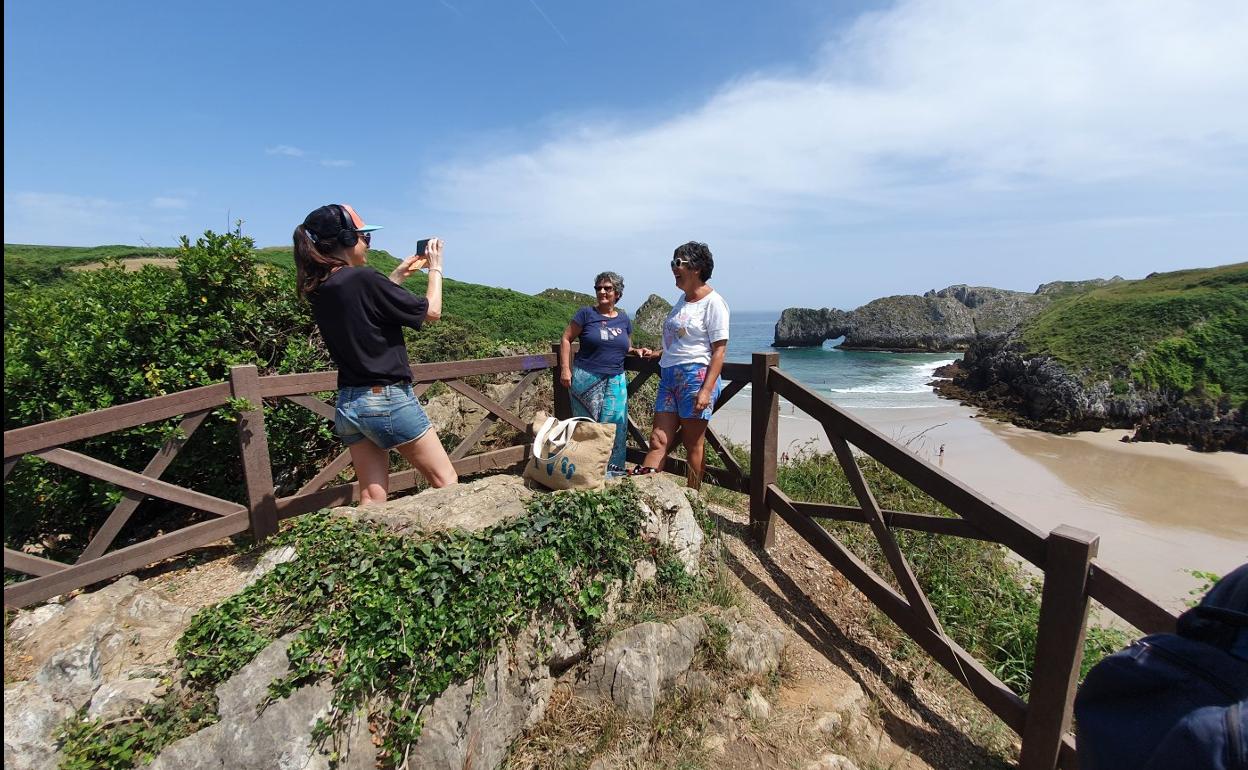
(1160,509)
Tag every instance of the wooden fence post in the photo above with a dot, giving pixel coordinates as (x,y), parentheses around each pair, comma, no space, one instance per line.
(253,443)
(563,399)
(764,425)
(1059,645)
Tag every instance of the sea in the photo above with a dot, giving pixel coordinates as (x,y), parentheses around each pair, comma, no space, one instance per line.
(848,378)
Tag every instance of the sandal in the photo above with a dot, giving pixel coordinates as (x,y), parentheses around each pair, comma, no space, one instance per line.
(642,470)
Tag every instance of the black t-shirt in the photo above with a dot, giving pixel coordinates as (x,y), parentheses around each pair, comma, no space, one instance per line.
(361,315)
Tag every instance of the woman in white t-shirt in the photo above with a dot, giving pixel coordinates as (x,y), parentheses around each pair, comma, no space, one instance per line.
(695,339)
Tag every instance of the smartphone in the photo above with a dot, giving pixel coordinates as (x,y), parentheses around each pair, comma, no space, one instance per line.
(422,246)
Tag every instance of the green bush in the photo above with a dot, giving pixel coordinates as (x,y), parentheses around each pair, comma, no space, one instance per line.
(108,337)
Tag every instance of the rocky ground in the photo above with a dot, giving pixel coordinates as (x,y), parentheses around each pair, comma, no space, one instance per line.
(798,677)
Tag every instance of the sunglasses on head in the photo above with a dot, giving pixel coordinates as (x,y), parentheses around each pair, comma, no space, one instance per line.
(682,262)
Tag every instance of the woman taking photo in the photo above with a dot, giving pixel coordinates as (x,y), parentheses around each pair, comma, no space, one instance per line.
(595,378)
(695,339)
(361,315)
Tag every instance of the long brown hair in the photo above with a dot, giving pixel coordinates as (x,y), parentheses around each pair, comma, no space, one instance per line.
(313,266)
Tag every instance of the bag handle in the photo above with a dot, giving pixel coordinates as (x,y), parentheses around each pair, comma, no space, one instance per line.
(557,432)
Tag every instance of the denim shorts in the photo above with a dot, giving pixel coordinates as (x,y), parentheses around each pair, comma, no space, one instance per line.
(678,390)
(387,415)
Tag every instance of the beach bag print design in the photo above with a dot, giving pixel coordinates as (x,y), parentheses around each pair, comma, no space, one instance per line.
(570,454)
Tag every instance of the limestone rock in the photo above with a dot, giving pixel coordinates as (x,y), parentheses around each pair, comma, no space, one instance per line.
(472,724)
(471,506)
(669,518)
(127,696)
(28,622)
(72,675)
(132,624)
(650,316)
(269,561)
(753,646)
(756,706)
(832,762)
(638,664)
(31,716)
(807,327)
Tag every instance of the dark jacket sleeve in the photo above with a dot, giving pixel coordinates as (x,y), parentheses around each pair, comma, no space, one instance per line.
(391,304)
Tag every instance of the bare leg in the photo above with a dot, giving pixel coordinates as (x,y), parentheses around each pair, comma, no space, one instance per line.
(372,471)
(693,433)
(660,438)
(427,455)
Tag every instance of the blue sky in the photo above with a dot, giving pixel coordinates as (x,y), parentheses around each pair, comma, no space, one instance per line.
(829,153)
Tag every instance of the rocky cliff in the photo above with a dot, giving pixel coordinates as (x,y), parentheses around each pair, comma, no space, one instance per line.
(1036,391)
(650,316)
(949,319)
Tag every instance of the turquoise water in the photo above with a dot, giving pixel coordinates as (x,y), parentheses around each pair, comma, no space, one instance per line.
(846,377)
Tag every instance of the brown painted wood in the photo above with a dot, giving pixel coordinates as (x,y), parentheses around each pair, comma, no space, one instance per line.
(33,438)
(764,430)
(30,565)
(130,480)
(730,462)
(634,430)
(1059,645)
(253,441)
(512,397)
(124,560)
(1005,528)
(315,405)
(498,458)
(328,473)
(1112,590)
(9,465)
(276,385)
(635,384)
(495,408)
(990,691)
(883,535)
(131,499)
(562,406)
(921,522)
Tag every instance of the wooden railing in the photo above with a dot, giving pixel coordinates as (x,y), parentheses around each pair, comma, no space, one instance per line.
(263,509)
(1066,555)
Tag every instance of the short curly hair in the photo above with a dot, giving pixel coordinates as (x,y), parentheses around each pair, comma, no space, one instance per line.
(699,256)
(617,281)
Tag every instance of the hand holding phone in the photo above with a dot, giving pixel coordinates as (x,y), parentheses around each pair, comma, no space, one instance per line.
(422,246)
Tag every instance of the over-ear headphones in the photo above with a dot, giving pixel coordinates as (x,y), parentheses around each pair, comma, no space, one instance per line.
(347,236)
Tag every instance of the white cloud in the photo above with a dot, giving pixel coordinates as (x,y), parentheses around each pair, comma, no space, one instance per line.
(168,202)
(906,109)
(338,163)
(77,220)
(285,149)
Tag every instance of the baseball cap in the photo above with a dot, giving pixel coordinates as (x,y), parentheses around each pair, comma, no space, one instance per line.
(326,221)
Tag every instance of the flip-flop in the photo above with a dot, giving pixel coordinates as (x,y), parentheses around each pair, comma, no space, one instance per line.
(642,470)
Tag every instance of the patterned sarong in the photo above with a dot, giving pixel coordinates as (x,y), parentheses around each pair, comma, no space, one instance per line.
(603,398)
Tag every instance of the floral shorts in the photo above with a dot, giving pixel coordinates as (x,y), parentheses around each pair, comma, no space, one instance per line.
(678,390)
(387,415)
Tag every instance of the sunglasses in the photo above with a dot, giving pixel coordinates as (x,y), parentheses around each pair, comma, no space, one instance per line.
(367,238)
(682,262)
(604,288)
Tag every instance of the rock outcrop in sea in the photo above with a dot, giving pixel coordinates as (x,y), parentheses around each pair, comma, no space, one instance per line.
(945,320)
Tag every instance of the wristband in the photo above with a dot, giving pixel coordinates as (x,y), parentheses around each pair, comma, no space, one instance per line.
(437,270)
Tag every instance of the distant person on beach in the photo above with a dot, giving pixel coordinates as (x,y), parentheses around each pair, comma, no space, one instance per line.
(595,378)
(942,450)
(695,339)
(361,315)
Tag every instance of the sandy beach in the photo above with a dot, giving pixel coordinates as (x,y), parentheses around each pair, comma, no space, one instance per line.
(1160,509)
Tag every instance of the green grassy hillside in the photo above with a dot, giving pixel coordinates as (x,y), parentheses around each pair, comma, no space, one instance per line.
(1185,332)
(501,315)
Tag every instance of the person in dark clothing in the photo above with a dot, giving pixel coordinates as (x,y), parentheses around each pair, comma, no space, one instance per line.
(361,315)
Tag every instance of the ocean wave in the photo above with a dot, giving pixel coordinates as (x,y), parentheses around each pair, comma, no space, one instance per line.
(890,390)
